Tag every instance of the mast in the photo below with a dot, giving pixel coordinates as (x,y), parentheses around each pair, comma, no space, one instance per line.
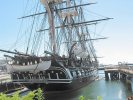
(49,7)
(68,15)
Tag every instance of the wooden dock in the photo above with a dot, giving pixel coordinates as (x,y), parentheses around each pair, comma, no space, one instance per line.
(121,71)
(5,77)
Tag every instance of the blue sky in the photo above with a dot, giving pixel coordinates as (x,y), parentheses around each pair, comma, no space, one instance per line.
(118,47)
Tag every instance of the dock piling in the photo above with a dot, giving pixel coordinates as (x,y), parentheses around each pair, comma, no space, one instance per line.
(106,76)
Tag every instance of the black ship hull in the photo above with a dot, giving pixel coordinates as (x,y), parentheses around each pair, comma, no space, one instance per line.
(56,79)
(62,87)
(59,77)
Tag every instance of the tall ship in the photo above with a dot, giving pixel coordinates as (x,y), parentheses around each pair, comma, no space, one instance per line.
(60,54)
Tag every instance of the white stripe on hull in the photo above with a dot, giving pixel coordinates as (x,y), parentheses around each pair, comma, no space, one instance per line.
(44,65)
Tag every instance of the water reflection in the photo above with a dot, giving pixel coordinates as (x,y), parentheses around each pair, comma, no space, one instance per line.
(120,94)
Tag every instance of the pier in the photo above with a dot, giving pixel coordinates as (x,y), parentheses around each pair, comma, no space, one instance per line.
(120,71)
(6,85)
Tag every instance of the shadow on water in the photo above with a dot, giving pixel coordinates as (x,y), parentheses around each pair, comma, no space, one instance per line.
(73,95)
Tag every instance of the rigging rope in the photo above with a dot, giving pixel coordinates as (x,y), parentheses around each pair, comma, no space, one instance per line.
(31,29)
(20,28)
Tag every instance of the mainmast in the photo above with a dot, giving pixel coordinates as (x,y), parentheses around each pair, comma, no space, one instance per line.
(50,10)
(68,15)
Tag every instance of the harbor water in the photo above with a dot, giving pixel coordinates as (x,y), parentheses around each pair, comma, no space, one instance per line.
(108,90)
